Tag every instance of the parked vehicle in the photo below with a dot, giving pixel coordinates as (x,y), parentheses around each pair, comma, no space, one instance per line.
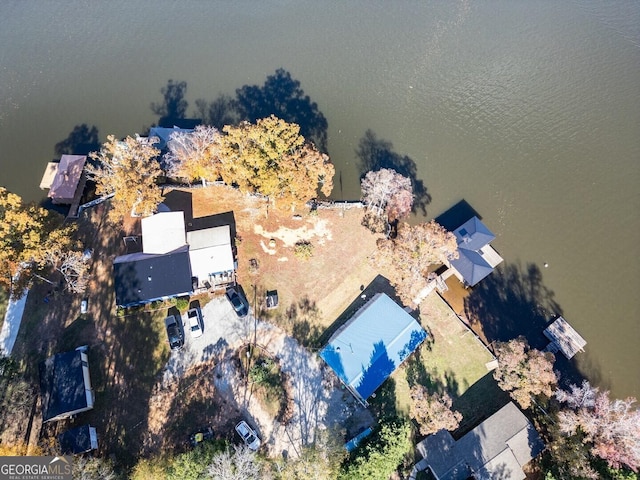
(84,305)
(248,435)
(174,332)
(200,436)
(195,322)
(238,301)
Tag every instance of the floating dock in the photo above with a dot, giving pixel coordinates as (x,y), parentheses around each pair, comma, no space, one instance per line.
(564,338)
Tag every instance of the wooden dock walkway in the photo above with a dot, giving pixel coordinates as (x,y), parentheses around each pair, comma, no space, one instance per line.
(564,337)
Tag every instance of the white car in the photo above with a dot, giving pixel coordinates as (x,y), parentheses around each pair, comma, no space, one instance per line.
(195,322)
(249,435)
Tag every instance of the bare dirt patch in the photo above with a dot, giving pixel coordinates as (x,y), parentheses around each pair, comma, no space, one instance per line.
(329,280)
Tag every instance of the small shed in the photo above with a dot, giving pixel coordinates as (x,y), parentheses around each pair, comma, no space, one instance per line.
(78,440)
(372,345)
(65,385)
(271,299)
(565,338)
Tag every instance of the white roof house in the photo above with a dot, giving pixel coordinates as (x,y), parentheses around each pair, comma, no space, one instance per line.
(163,232)
(210,254)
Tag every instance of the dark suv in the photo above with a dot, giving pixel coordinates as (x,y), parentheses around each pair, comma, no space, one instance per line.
(238,301)
(174,332)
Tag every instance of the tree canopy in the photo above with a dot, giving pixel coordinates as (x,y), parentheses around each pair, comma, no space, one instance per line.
(271,158)
(194,155)
(387,196)
(381,455)
(30,237)
(128,170)
(610,428)
(524,372)
(433,412)
(406,259)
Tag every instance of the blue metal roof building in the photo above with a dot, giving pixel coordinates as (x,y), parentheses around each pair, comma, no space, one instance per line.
(372,345)
(476,258)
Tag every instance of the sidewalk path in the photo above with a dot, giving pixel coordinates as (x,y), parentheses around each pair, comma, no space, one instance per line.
(11,324)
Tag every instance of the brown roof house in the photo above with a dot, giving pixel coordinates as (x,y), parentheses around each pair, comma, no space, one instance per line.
(65,179)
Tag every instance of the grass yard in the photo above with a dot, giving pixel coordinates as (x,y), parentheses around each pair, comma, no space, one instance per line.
(451,360)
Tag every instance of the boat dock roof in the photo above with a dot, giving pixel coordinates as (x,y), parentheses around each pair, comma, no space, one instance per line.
(564,336)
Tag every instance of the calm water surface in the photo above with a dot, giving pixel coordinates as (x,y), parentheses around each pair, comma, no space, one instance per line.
(530,111)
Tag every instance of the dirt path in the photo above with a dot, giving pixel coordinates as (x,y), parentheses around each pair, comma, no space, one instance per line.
(317,403)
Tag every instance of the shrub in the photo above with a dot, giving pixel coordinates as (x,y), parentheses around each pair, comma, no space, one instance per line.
(303,250)
(182,303)
(265,373)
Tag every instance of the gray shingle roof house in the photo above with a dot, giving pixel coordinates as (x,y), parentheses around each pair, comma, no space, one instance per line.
(142,278)
(65,385)
(477,258)
(497,448)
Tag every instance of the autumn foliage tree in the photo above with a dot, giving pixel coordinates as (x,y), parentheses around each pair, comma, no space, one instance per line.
(194,155)
(611,428)
(432,412)
(387,196)
(128,170)
(524,371)
(271,158)
(407,257)
(29,237)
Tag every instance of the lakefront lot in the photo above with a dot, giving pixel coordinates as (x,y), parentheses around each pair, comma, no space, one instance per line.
(149,399)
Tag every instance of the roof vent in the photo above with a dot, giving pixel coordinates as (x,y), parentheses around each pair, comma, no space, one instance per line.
(149,278)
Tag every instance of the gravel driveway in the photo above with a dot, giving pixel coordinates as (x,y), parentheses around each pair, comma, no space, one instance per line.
(317,404)
(222,329)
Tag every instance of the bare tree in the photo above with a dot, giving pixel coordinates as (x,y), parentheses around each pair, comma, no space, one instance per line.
(524,372)
(194,155)
(242,464)
(73,267)
(92,468)
(433,412)
(387,195)
(28,233)
(611,428)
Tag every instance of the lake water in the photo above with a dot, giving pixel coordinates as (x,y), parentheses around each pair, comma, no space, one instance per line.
(528,110)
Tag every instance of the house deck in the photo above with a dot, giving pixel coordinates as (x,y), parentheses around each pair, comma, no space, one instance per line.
(492,257)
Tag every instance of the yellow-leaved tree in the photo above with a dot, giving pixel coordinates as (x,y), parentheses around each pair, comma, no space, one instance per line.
(271,158)
(128,169)
(30,237)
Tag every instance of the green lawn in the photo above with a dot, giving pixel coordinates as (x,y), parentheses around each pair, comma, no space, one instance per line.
(450,360)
